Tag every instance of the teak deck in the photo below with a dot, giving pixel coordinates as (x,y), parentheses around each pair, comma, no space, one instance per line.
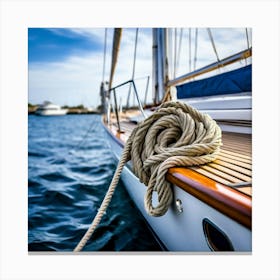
(225,184)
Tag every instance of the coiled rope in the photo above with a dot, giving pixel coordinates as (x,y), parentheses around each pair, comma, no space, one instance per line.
(175,135)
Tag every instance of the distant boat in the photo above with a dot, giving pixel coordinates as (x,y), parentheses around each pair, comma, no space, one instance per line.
(50,109)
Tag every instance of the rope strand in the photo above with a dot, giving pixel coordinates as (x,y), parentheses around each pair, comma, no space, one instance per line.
(175,135)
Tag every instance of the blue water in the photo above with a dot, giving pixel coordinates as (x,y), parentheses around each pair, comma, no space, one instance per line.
(70,167)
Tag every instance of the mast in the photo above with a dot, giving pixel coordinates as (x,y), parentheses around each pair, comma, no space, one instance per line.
(165,64)
(155,66)
(160,64)
(115,51)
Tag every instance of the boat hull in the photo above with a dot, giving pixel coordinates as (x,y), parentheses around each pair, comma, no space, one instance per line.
(51,113)
(183,231)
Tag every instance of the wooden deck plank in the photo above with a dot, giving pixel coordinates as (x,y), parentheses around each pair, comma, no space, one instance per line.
(237,150)
(232,143)
(235,161)
(214,171)
(231,172)
(235,156)
(239,169)
(211,176)
(233,165)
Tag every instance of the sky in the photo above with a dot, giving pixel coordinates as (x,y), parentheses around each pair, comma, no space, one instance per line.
(65,65)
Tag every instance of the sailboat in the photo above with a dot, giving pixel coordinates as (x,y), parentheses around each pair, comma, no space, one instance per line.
(211,207)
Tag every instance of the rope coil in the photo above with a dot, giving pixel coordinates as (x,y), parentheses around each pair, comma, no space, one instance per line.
(175,135)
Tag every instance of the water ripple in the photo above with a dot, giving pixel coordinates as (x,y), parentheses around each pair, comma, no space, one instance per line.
(67,181)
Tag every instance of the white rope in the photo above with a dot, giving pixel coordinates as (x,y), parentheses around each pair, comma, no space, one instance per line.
(175,135)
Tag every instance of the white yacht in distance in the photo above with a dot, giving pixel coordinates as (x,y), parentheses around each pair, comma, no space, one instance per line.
(50,109)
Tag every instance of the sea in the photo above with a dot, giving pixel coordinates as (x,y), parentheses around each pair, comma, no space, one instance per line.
(70,166)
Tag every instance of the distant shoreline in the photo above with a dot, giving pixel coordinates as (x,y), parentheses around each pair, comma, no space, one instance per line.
(71,111)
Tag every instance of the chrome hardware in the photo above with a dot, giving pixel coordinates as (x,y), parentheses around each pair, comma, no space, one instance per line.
(179,205)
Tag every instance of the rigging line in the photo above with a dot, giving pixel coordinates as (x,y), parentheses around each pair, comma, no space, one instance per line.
(170,51)
(247,38)
(248,45)
(190,50)
(104,54)
(195,49)
(82,141)
(213,43)
(146,92)
(175,53)
(141,78)
(133,69)
(179,50)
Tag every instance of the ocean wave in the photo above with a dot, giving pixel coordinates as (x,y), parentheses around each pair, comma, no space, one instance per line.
(66,186)
(56,176)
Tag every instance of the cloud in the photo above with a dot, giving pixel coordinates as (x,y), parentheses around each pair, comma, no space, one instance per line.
(228,41)
(71,82)
(76,79)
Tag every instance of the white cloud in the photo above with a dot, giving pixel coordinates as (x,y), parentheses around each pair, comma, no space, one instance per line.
(228,41)
(70,82)
(77,79)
